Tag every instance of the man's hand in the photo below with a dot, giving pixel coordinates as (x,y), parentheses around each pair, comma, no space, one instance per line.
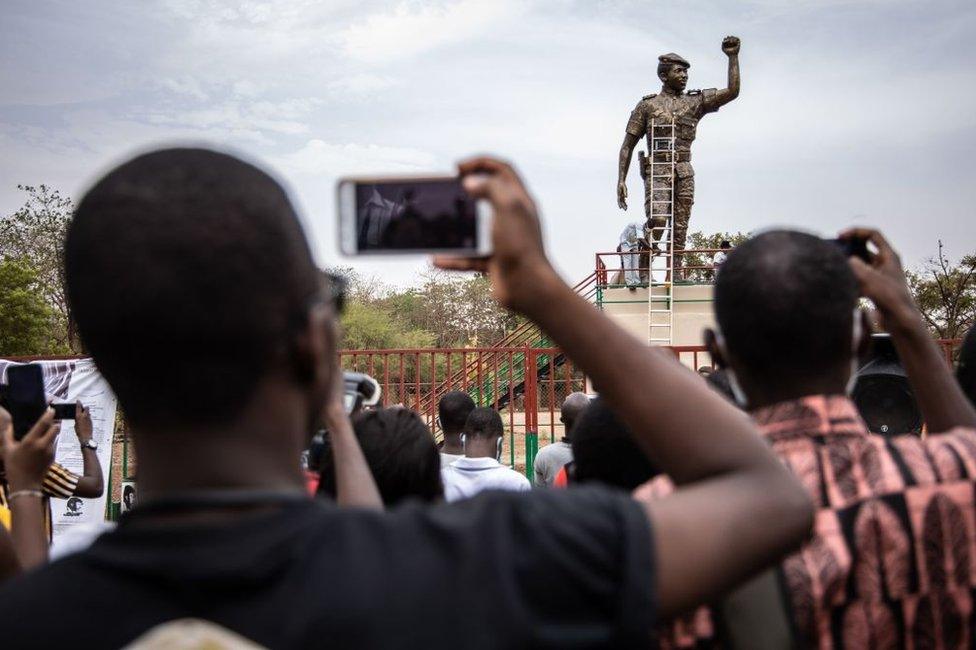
(730,45)
(518,267)
(883,280)
(26,461)
(622,195)
(83,423)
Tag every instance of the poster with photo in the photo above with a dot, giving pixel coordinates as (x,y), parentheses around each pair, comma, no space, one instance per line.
(128,501)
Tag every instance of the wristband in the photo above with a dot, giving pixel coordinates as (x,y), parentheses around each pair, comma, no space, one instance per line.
(25,493)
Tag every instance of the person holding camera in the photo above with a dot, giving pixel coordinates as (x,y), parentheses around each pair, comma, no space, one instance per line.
(59,482)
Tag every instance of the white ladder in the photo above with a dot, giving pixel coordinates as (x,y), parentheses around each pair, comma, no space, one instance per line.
(660,290)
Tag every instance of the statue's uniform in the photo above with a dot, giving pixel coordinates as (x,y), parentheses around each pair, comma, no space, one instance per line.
(659,110)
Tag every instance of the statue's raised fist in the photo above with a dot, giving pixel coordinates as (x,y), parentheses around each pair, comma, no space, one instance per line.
(730,45)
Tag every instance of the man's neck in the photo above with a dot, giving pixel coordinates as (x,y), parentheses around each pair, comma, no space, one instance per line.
(759,399)
(668,90)
(452,444)
(259,450)
(480,448)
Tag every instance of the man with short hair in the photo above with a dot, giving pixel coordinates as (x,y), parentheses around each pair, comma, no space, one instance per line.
(554,456)
(453,411)
(400,452)
(604,451)
(199,258)
(882,568)
(480,469)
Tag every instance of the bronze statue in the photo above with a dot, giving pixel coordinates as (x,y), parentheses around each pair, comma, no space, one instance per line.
(684,109)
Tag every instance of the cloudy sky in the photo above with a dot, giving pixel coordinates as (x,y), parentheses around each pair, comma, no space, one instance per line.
(852,111)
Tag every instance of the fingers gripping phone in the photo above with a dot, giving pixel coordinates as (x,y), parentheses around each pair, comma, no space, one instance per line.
(854,248)
(403,215)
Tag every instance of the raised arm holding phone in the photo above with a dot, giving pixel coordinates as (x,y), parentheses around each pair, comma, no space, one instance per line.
(732,486)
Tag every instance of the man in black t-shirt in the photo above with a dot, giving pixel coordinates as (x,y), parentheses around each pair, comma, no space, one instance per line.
(198,258)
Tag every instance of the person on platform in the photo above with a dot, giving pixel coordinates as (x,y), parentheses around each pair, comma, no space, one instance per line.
(632,241)
(881,568)
(553,457)
(480,469)
(453,411)
(723,253)
(189,250)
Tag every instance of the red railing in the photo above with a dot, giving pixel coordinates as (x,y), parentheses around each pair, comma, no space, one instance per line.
(611,262)
(526,335)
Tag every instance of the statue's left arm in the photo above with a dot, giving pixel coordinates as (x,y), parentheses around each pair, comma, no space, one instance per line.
(731,48)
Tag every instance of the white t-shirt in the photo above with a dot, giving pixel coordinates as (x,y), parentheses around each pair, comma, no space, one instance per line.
(447,459)
(466,477)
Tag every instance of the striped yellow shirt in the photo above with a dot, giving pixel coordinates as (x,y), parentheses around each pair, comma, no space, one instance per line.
(59,482)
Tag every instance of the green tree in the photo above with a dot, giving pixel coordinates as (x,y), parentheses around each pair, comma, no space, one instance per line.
(700,240)
(35,234)
(945,293)
(25,319)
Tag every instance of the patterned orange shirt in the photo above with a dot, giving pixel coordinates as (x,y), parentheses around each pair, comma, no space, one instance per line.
(892,558)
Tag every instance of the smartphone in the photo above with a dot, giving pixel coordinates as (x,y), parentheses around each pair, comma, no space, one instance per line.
(854,248)
(64,411)
(403,215)
(24,397)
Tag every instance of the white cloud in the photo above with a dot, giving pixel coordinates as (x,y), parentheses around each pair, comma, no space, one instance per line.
(318,158)
(411,28)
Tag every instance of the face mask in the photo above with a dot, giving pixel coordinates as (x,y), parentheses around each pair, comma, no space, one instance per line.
(498,450)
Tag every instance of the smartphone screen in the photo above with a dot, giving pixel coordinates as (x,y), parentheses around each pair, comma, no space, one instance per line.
(403,215)
(25,397)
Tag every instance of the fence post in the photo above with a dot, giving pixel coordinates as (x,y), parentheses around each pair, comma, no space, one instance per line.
(531,404)
(531,449)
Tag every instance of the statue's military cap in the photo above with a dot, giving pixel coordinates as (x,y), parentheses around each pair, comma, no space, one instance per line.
(673,59)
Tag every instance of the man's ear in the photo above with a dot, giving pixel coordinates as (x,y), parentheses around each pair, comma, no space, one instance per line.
(714,349)
(314,348)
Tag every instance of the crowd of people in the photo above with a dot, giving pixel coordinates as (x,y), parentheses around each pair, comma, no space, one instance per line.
(675,512)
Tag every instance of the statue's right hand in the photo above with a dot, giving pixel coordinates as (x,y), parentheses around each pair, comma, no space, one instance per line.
(622,195)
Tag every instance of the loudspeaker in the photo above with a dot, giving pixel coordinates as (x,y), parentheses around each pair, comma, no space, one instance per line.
(882,393)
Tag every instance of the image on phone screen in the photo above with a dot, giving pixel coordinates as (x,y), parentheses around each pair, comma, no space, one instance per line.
(402,215)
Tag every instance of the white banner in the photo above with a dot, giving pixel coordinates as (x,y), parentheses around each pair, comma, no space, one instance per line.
(70,381)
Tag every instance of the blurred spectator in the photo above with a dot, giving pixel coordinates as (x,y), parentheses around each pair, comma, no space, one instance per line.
(401,455)
(862,577)
(479,469)
(453,411)
(60,482)
(199,258)
(966,370)
(554,456)
(605,451)
(23,498)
